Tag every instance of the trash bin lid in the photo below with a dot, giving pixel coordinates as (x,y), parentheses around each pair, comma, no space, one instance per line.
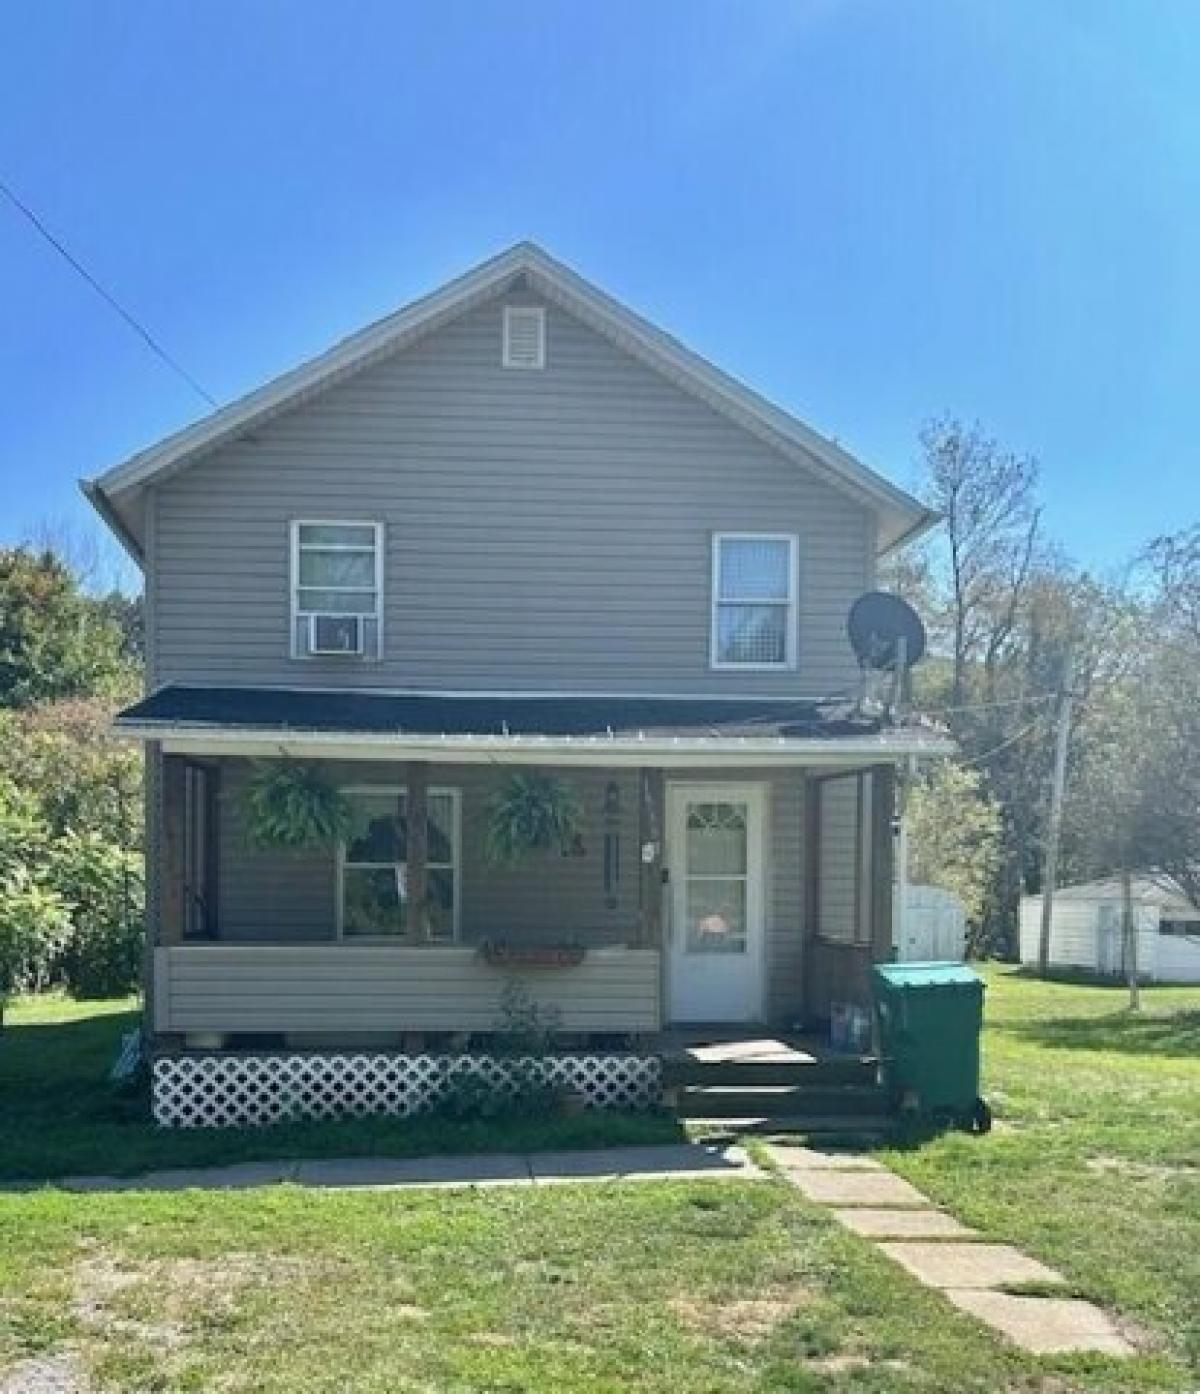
(904,975)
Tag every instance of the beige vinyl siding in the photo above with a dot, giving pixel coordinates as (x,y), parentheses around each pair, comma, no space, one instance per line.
(547,899)
(840,883)
(545,530)
(348,988)
(288,898)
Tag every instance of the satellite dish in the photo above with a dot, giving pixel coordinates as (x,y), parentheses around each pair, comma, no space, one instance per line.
(878,622)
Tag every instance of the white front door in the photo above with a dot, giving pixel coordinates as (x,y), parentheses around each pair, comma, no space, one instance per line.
(716,929)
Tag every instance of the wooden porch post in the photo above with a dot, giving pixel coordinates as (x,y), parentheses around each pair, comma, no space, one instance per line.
(883,857)
(810,966)
(651,829)
(171,913)
(417,815)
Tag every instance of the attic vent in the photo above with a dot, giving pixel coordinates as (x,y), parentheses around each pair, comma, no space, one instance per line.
(524,337)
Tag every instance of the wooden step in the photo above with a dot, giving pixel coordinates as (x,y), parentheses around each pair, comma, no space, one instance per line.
(777,1101)
(743,1073)
(863,1131)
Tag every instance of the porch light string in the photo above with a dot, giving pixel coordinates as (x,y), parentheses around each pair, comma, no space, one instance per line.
(111,300)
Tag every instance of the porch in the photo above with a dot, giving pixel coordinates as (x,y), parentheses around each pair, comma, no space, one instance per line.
(741,897)
(728,871)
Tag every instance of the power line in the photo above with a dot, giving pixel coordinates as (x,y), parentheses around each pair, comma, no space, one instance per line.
(1012,740)
(110,299)
(1028,700)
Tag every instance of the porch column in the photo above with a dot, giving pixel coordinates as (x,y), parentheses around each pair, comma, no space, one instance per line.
(171,908)
(651,830)
(417,815)
(812,965)
(883,859)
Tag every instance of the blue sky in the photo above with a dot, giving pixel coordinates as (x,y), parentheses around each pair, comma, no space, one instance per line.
(871,210)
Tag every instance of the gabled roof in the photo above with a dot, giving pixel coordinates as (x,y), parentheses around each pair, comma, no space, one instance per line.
(116,494)
(1153,888)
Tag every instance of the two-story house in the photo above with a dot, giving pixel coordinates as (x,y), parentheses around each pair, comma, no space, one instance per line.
(511,526)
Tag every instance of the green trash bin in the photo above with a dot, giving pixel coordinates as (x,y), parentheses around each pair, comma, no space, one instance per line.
(929,1017)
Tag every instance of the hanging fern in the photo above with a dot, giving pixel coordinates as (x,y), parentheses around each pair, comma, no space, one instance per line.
(291,806)
(532,813)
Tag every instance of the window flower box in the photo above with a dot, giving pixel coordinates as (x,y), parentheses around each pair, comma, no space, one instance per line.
(499,954)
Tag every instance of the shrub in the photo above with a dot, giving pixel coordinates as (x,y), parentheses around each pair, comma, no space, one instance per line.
(469,1097)
(34,924)
(102,884)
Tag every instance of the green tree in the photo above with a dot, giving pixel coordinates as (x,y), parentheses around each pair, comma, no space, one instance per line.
(954,837)
(33,917)
(55,641)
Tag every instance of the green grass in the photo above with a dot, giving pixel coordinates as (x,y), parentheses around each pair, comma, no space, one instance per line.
(1094,1165)
(595,1289)
(60,1116)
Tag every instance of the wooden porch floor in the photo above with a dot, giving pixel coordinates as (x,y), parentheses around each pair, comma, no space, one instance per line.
(753,1045)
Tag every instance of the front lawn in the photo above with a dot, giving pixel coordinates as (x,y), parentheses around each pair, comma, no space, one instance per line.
(635,1288)
(601,1288)
(59,1115)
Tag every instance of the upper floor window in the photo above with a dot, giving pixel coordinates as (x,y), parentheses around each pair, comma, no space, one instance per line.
(337,589)
(755,580)
(524,337)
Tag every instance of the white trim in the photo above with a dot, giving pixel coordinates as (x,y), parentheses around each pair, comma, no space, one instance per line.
(672,752)
(294,586)
(756,795)
(533,312)
(792,602)
(454,794)
(902,516)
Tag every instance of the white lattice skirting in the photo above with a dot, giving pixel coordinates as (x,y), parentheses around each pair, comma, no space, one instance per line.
(233,1090)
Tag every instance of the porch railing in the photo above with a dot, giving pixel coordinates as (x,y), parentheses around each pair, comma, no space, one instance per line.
(336,988)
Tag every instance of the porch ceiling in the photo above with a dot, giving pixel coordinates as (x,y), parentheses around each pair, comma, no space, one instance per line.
(525,728)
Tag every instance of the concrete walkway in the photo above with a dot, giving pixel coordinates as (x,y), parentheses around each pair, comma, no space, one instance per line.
(976,1276)
(670,1162)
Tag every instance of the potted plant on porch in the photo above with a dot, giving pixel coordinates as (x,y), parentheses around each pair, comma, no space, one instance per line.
(290,805)
(532,814)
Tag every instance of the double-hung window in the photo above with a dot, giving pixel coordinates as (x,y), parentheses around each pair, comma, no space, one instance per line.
(373,880)
(754,586)
(337,589)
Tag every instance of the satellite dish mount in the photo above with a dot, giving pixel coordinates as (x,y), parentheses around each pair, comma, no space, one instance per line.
(888,638)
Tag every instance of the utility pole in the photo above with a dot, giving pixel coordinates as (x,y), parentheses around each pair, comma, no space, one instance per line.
(1057,790)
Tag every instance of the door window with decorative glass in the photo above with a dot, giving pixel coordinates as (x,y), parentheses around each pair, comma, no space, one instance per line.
(754,601)
(374,865)
(716,868)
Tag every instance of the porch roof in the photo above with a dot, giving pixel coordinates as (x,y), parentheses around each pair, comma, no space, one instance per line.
(442,725)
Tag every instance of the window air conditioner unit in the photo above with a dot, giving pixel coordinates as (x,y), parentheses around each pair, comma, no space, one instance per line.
(336,635)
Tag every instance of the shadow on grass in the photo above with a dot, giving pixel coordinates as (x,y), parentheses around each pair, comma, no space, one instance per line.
(60,1115)
(1129,1033)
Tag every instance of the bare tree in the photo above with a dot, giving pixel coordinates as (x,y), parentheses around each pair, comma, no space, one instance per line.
(89,553)
(987,498)
(1137,793)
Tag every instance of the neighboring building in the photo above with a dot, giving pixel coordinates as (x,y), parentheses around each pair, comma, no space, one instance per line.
(931,926)
(1086,929)
(513,525)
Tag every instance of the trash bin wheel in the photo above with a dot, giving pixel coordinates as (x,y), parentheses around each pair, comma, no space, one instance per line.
(979,1120)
